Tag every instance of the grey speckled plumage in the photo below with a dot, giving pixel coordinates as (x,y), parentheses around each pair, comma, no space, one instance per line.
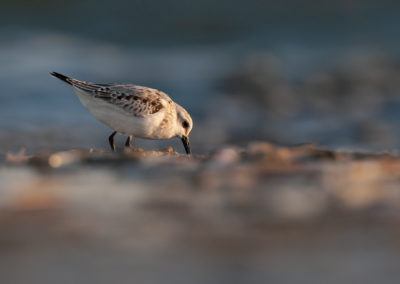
(133,110)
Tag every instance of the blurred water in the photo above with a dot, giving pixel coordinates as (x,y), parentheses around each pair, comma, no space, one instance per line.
(191,54)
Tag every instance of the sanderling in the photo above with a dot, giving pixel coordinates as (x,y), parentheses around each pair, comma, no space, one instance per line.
(132,110)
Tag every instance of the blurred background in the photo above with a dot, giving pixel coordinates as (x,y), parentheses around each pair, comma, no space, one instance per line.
(289,72)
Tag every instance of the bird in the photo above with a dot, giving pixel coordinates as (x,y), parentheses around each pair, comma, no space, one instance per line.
(132,110)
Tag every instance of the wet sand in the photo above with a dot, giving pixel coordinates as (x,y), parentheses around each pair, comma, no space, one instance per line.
(238,215)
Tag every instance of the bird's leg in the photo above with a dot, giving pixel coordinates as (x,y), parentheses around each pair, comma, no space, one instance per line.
(128,141)
(111,141)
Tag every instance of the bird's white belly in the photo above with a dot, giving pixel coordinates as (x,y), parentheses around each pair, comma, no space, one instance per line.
(120,121)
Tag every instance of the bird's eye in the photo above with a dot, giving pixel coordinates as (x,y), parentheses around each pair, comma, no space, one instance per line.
(185,124)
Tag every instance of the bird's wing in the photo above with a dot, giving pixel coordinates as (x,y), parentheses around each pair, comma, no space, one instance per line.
(136,100)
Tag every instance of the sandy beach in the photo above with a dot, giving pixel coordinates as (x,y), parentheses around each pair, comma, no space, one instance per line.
(250,212)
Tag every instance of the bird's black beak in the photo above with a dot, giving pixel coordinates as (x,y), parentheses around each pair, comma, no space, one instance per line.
(185,141)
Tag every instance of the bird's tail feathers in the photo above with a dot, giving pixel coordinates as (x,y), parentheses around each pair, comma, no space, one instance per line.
(62,77)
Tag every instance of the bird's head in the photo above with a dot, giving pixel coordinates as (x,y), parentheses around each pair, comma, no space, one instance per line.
(184,124)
